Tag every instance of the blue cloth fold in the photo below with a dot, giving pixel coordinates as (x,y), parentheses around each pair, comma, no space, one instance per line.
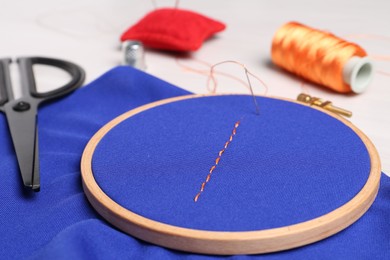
(59,223)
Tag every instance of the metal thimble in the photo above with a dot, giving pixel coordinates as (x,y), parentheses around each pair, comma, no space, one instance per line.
(133,54)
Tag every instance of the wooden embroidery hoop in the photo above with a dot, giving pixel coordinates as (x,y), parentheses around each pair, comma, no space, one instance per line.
(226,243)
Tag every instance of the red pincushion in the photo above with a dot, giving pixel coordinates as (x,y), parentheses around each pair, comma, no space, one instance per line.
(173,29)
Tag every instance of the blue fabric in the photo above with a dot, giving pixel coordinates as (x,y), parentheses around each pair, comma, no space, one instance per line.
(287,165)
(59,223)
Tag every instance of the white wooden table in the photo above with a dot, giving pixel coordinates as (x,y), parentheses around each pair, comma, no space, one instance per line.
(87,32)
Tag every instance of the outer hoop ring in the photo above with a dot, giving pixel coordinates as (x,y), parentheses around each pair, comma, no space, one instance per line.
(227,243)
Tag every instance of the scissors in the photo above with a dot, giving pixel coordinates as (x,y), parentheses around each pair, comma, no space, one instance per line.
(21,113)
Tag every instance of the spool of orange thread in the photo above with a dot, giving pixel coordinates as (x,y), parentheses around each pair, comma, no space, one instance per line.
(321,57)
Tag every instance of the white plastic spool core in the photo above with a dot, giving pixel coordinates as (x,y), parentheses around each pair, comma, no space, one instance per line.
(358,73)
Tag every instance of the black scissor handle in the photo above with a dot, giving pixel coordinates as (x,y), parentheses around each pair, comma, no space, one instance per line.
(76,72)
(5,82)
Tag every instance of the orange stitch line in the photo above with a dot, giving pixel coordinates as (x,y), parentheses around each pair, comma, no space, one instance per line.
(208,177)
(202,188)
(217,160)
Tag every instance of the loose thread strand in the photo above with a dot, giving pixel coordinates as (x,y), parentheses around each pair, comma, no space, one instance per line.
(207,72)
(154,3)
(247,73)
(185,67)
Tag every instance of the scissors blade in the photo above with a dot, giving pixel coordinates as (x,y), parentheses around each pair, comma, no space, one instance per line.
(36,175)
(23,129)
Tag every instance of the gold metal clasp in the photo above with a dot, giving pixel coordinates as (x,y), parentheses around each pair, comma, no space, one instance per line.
(314,101)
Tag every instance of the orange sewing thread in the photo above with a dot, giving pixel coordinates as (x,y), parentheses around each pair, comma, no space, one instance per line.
(236,125)
(208,177)
(247,73)
(321,57)
(206,71)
